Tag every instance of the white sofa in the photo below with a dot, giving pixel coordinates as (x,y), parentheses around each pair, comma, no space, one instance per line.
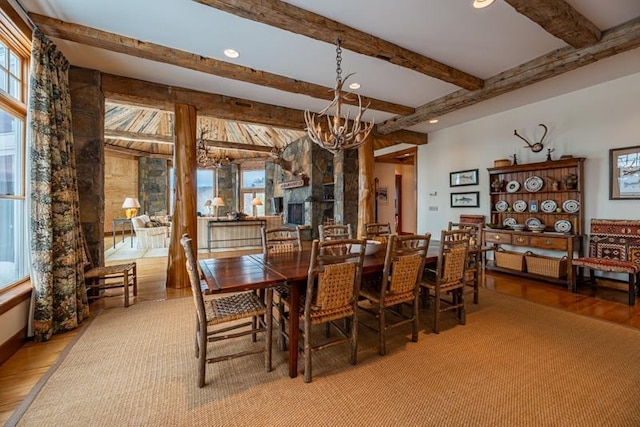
(149,235)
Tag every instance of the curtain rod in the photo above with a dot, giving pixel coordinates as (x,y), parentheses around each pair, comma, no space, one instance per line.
(22,12)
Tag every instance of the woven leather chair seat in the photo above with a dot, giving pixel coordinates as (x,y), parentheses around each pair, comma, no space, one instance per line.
(233,307)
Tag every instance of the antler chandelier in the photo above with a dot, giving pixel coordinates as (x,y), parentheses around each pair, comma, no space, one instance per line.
(341,134)
(205,161)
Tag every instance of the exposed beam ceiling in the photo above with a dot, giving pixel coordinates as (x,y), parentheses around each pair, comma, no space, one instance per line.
(138,137)
(616,40)
(138,92)
(135,153)
(560,19)
(402,157)
(296,20)
(154,52)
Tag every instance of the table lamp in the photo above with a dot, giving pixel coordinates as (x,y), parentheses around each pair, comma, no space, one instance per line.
(217,202)
(256,202)
(208,205)
(131,204)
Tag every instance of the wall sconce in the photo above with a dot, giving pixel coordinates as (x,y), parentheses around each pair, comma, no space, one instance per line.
(131,204)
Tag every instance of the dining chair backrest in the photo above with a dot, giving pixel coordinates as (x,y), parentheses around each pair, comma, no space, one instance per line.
(378,231)
(281,240)
(404,264)
(336,231)
(452,258)
(475,231)
(194,277)
(333,282)
(472,219)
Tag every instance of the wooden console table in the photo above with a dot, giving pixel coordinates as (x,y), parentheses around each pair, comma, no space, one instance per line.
(568,244)
(234,233)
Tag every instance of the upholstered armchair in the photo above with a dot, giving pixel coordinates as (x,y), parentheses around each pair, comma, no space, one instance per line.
(148,233)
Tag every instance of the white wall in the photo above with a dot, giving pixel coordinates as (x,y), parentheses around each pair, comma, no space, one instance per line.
(585,123)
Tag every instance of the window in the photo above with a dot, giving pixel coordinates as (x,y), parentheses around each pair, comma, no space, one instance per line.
(13,204)
(205,179)
(252,187)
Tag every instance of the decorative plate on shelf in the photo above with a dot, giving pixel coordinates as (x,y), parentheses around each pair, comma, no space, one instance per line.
(533,184)
(562,226)
(508,222)
(512,186)
(519,206)
(571,206)
(533,222)
(548,206)
(502,205)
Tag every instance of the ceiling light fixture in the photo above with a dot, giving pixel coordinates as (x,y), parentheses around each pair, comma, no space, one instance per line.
(341,134)
(354,85)
(230,53)
(433,121)
(479,4)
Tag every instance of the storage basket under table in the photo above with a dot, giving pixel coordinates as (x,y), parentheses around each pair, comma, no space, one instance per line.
(510,260)
(546,266)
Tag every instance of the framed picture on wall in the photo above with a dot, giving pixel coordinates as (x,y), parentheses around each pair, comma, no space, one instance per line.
(383,197)
(470,199)
(624,173)
(461,178)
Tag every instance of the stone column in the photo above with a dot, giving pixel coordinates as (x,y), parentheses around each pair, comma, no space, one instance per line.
(345,169)
(87,110)
(153,185)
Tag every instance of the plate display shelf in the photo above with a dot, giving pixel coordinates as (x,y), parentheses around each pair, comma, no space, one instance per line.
(553,188)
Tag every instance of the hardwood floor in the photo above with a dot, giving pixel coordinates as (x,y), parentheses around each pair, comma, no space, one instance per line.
(23,370)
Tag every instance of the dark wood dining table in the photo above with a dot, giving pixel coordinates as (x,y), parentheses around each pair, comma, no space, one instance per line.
(258,271)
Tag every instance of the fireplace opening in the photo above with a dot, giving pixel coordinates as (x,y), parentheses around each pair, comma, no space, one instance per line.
(295,213)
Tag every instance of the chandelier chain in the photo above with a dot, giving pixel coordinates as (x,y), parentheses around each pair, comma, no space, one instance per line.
(338,60)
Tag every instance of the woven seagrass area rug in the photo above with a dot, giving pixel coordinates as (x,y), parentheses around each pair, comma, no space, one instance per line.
(515,363)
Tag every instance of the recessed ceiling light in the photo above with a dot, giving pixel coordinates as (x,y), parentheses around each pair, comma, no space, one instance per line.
(231,53)
(433,121)
(354,86)
(479,4)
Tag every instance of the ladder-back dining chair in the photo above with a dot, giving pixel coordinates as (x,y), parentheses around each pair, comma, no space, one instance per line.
(475,259)
(216,318)
(333,286)
(277,241)
(400,284)
(378,231)
(445,285)
(336,231)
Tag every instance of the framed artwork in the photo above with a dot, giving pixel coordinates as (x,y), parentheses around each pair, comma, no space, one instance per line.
(383,197)
(470,199)
(461,178)
(624,173)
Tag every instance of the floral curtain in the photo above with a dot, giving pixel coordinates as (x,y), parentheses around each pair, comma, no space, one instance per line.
(56,240)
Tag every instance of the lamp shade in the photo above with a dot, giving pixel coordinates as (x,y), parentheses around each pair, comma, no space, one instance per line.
(256,201)
(217,201)
(131,202)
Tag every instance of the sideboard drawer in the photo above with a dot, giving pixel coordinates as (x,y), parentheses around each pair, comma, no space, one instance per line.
(496,237)
(520,240)
(542,242)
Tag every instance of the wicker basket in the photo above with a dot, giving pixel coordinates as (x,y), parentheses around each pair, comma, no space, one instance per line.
(546,266)
(510,260)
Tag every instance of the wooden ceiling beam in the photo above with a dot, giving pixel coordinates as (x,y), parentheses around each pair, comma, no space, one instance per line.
(129,91)
(616,40)
(560,19)
(227,145)
(138,137)
(154,52)
(135,153)
(291,18)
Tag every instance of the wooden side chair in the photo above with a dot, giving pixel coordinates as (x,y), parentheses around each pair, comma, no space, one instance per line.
(378,231)
(277,241)
(403,267)
(336,231)
(212,314)
(99,279)
(333,286)
(446,284)
(475,259)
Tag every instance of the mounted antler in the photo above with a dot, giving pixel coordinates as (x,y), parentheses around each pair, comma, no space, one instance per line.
(535,147)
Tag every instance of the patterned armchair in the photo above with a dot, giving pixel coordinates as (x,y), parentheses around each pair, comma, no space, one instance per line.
(148,233)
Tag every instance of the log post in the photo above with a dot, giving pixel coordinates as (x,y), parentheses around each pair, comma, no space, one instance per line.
(184,209)
(366,193)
